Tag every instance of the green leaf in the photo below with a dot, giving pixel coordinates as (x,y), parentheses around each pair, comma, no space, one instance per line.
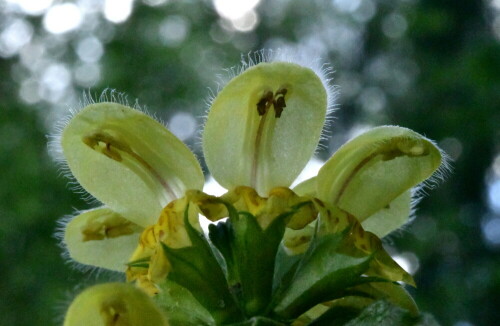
(128,161)
(259,321)
(369,172)
(323,274)
(250,254)
(181,307)
(247,143)
(383,313)
(197,269)
(336,316)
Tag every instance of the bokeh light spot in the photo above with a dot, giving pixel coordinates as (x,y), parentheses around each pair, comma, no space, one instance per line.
(155,3)
(89,49)
(117,11)
(490,227)
(347,5)
(372,99)
(55,80)
(17,34)
(394,25)
(365,11)
(247,22)
(183,125)
(174,30)
(232,9)
(494,195)
(452,146)
(32,7)
(496,166)
(62,18)
(87,74)
(29,91)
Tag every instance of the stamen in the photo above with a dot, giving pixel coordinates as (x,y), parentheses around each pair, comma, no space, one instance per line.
(111,147)
(279,102)
(264,103)
(395,148)
(107,227)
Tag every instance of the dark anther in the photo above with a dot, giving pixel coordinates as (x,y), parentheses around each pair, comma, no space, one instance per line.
(265,103)
(277,100)
(279,104)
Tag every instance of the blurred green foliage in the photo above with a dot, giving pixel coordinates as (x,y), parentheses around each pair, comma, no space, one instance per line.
(436,71)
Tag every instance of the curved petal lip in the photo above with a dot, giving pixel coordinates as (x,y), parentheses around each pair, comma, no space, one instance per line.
(128,161)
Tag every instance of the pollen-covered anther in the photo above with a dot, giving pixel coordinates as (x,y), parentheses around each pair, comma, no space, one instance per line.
(111,227)
(277,100)
(105,144)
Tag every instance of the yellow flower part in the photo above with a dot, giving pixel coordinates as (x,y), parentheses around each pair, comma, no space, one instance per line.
(134,166)
(283,253)
(115,304)
(264,126)
(149,264)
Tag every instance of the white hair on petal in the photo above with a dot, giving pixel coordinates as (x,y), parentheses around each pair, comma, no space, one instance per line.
(421,190)
(323,70)
(54,139)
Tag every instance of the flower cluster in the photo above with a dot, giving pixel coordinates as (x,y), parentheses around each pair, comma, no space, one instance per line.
(283,256)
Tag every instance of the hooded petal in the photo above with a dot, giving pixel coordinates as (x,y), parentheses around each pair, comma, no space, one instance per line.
(264,126)
(369,172)
(102,238)
(128,161)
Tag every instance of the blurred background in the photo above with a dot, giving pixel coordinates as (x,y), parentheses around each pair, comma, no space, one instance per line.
(429,65)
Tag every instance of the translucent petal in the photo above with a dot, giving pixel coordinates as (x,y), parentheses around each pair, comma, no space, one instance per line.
(102,238)
(128,161)
(306,187)
(390,217)
(264,126)
(369,172)
(114,304)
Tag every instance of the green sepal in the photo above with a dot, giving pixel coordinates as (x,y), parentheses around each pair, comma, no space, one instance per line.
(181,307)
(259,321)
(336,316)
(321,275)
(285,267)
(197,269)
(249,253)
(142,262)
(384,313)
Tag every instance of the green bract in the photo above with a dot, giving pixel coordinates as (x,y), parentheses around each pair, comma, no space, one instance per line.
(282,257)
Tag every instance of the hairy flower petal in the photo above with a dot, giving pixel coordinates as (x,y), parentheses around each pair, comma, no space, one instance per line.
(128,161)
(369,172)
(114,304)
(264,126)
(102,238)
